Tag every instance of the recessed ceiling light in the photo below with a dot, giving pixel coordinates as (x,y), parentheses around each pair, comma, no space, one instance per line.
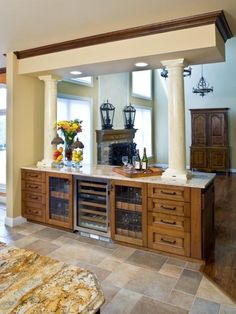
(75,72)
(141,64)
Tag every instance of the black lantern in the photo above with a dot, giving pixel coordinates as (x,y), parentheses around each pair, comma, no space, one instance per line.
(129,116)
(107,115)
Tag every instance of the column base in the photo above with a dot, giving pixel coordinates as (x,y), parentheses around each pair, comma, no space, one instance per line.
(176,174)
(44,164)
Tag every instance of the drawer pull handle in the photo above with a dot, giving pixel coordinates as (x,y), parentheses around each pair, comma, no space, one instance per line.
(168,193)
(34,197)
(168,222)
(33,175)
(168,241)
(31,186)
(168,208)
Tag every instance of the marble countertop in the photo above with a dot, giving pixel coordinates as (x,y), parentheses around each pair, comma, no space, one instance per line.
(31,283)
(198,179)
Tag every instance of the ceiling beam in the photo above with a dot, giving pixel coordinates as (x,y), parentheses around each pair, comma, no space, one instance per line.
(216,17)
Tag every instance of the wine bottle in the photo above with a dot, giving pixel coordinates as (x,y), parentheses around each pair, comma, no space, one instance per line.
(144,160)
(137,163)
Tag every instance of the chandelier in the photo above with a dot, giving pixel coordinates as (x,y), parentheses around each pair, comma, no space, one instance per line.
(203,87)
(186,72)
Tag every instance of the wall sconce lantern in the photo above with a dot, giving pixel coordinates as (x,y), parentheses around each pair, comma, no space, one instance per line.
(107,111)
(129,116)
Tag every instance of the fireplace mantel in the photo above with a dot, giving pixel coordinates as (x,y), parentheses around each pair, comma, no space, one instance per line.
(111,135)
(107,137)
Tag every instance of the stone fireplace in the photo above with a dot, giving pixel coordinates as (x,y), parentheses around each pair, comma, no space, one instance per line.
(112,144)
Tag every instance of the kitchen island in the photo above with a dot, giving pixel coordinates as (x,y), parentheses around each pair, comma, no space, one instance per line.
(155,213)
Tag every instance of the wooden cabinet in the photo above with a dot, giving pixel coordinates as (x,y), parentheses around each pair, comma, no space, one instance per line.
(169,219)
(33,195)
(210,147)
(128,212)
(59,204)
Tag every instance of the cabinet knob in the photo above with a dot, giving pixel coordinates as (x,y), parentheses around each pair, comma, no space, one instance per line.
(168,208)
(168,193)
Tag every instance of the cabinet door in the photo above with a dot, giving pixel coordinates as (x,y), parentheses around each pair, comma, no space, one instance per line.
(129,212)
(218,159)
(198,158)
(199,129)
(59,200)
(217,129)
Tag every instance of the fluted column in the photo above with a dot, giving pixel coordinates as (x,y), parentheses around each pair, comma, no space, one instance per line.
(50,117)
(176,120)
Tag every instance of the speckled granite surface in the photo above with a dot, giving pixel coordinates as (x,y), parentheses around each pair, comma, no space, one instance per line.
(33,284)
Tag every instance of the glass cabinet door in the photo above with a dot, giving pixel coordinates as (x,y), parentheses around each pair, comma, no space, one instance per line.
(129,212)
(59,201)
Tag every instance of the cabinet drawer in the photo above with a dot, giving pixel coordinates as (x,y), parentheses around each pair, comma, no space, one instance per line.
(169,224)
(33,197)
(31,175)
(169,207)
(169,243)
(169,192)
(33,212)
(37,187)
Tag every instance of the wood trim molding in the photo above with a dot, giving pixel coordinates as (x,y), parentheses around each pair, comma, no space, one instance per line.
(216,17)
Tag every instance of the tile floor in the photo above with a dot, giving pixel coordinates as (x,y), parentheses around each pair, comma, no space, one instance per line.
(133,281)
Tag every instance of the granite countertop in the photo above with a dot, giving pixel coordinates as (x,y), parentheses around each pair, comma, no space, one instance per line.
(198,179)
(31,283)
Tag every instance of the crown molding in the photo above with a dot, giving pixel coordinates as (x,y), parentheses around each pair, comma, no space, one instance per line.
(216,17)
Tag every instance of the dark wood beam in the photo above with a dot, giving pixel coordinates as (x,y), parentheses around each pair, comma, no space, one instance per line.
(216,17)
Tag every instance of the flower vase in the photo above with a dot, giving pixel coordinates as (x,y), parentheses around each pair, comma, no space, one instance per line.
(68,155)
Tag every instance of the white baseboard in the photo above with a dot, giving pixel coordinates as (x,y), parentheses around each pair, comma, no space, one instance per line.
(11,222)
(3,199)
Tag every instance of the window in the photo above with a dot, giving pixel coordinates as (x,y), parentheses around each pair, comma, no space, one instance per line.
(72,107)
(3,105)
(143,124)
(86,80)
(142,84)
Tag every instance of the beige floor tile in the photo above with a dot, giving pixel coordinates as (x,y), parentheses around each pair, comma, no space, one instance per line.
(208,290)
(194,266)
(110,264)
(189,281)
(176,261)
(151,284)
(181,299)
(23,242)
(147,260)
(109,291)
(48,234)
(147,305)
(28,228)
(65,240)
(123,252)
(100,273)
(201,306)
(84,253)
(122,275)
(171,270)
(41,247)
(122,303)
(227,309)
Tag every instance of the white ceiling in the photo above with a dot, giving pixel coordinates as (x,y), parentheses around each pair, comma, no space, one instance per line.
(31,23)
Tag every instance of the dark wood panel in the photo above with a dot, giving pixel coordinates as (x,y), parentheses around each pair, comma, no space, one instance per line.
(221,261)
(216,17)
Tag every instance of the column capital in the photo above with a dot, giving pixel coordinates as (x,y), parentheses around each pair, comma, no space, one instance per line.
(174,63)
(49,78)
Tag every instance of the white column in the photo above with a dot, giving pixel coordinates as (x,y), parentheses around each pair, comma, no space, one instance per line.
(50,117)
(176,120)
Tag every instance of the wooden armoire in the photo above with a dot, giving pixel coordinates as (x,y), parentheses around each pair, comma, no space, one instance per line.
(209,150)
